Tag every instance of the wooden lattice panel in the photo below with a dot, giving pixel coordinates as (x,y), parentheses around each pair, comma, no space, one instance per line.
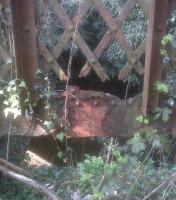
(5,68)
(114,33)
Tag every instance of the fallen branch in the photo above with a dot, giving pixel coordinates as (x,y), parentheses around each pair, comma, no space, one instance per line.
(14,168)
(160,186)
(27,181)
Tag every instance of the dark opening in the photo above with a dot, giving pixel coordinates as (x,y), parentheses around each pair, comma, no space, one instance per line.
(92,81)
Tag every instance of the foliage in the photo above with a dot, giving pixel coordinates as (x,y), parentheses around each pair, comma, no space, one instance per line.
(142,120)
(163,113)
(133,170)
(16,98)
(13,190)
(161,87)
(167,40)
(46,113)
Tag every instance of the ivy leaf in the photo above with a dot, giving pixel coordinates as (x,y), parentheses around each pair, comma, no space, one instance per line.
(22,84)
(12,83)
(156,144)
(60,154)
(49,125)
(60,137)
(167,39)
(38,72)
(16,112)
(166,112)
(138,147)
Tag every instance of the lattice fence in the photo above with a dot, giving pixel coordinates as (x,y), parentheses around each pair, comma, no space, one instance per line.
(114,33)
(4,44)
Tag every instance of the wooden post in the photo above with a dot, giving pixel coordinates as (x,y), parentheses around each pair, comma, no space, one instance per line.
(157,25)
(24,36)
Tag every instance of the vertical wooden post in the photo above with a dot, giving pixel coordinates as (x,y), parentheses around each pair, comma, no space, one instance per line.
(157,25)
(24,35)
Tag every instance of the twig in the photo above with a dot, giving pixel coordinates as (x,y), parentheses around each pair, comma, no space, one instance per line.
(30,183)
(100,184)
(160,186)
(69,66)
(8,140)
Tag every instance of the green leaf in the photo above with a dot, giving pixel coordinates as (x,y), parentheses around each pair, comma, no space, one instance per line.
(142,120)
(166,112)
(49,125)
(22,84)
(166,39)
(156,144)
(60,137)
(14,111)
(138,147)
(60,154)
(1,92)
(161,87)
(12,83)
(38,72)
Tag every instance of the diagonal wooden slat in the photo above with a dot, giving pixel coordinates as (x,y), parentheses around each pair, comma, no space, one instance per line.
(59,11)
(144,5)
(52,62)
(138,67)
(69,25)
(61,42)
(108,37)
(63,39)
(3,54)
(41,7)
(5,69)
(66,36)
(91,57)
(125,11)
(114,28)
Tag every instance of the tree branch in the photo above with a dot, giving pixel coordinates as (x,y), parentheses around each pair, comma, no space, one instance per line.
(11,170)
(160,186)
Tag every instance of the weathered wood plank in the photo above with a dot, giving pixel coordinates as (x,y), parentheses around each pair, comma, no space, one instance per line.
(25,44)
(155,31)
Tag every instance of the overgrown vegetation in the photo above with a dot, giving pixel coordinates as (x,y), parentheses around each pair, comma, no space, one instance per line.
(142,167)
(129,171)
